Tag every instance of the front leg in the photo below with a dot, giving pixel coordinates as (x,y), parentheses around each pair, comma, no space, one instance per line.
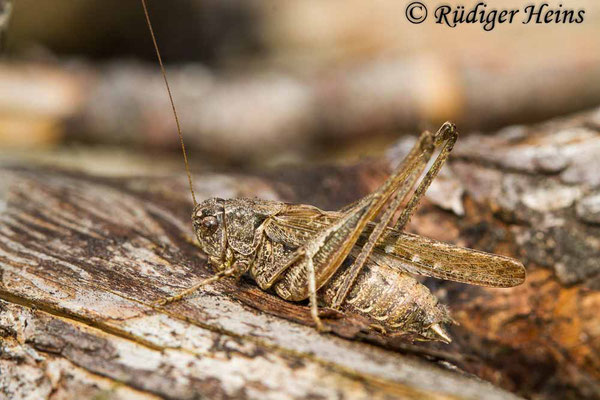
(228,268)
(218,276)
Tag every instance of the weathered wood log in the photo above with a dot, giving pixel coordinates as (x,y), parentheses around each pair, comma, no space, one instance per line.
(82,258)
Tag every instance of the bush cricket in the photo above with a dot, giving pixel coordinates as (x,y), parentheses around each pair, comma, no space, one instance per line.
(346,260)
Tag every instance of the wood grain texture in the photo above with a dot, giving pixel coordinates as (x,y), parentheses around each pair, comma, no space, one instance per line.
(82,257)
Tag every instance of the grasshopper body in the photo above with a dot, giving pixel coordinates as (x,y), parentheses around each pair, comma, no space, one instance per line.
(350,259)
(262,238)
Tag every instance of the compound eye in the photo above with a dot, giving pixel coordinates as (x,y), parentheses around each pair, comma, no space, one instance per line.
(210,223)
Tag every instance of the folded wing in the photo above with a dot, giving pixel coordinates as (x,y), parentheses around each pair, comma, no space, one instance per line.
(427,257)
(411,253)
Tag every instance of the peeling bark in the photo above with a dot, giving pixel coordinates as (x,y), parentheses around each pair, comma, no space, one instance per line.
(82,258)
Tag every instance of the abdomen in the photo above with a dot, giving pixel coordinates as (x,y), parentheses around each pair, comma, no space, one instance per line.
(390,298)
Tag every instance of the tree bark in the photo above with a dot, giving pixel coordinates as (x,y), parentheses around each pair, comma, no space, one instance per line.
(83,256)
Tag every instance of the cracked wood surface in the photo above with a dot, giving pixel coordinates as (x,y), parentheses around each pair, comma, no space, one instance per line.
(83,256)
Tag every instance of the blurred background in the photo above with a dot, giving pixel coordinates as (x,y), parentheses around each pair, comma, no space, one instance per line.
(270,82)
(265,81)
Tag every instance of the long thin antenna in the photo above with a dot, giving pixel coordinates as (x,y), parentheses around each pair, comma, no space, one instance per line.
(164,74)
